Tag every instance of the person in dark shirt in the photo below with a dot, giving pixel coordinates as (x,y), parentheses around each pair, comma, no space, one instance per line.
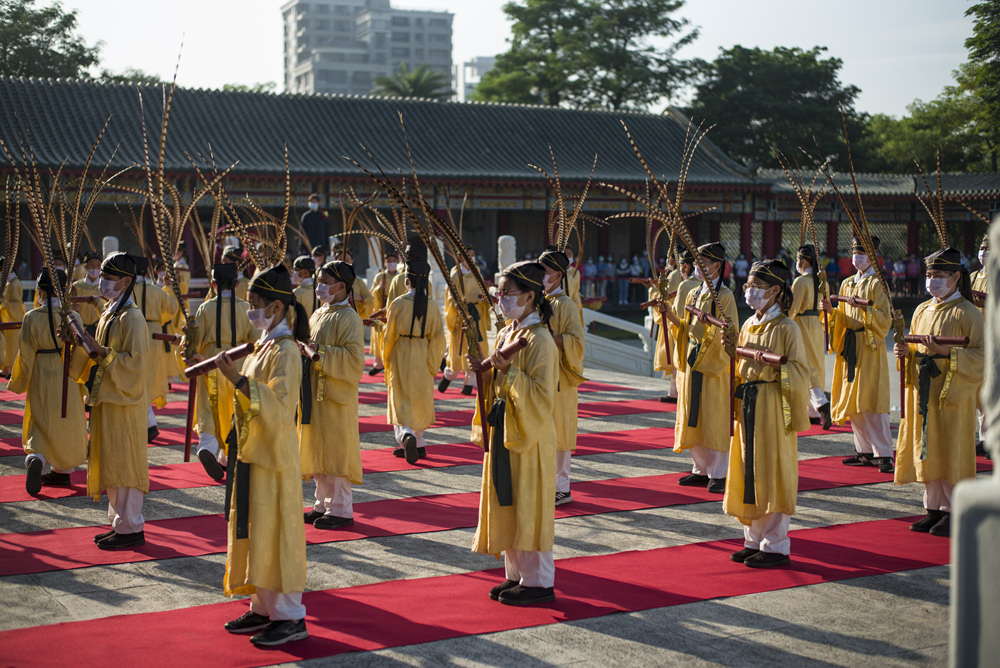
(314,223)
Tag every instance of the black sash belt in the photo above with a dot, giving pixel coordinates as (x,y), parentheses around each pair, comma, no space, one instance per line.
(92,329)
(166,344)
(926,370)
(811,311)
(694,404)
(237,484)
(500,455)
(48,351)
(850,352)
(748,393)
(474,314)
(305,391)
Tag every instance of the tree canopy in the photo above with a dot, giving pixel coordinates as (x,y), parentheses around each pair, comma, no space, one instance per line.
(421,81)
(42,42)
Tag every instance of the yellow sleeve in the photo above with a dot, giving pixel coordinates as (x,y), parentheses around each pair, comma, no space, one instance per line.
(342,356)
(267,414)
(168,306)
(796,374)
(530,391)
(363,299)
(571,329)
(124,379)
(436,341)
(965,364)
(713,360)
(800,292)
(24,362)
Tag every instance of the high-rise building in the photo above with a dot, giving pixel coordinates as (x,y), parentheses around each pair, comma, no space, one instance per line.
(341,46)
(465,77)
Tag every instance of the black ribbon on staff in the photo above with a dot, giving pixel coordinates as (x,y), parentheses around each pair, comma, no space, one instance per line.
(747,392)
(850,352)
(500,455)
(166,344)
(474,315)
(305,391)
(927,369)
(237,484)
(694,405)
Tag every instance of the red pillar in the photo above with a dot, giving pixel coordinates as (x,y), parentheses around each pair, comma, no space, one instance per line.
(503,223)
(831,238)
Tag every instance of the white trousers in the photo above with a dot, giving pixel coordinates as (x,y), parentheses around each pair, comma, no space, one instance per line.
(531,569)
(277,606)
(817,398)
(673,385)
(451,374)
(45,463)
(871,434)
(125,509)
(333,496)
(982,424)
(768,534)
(713,463)
(937,495)
(150,418)
(563,461)
(211,443)
(400,431)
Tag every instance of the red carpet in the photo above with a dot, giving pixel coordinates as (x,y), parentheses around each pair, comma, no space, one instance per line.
(59,549)
(405,612)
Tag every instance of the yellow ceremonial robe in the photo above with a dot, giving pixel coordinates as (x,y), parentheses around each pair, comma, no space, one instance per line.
(683,289)
(807,314)
(529,435)
(663,338)
(364,302)
(472,297)
(158,307)
(331,444)
(565,323)
(306,295)
(175,364)
(781,411)
(380,294)
(90,312)
(573,289)
(11,310)
(79,271)
(214,397)
(411,362)
(38,371)
(951,409)
(273,557)
(713,423)
(869,391)
(242,287)
(118,401)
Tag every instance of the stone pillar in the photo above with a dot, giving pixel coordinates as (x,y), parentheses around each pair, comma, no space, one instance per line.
(436,281)
(374,263)
(506,253)
(109,245)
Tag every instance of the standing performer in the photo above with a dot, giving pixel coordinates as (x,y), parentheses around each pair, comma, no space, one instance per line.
(89,286)
(516,502)
(364,303)
(330,444)
(380,293)
(222,324)
(412,349)
(568,335)
(937,440)
(11,310)
(49,439)
(860,390)
(663,338)
(231,255)
(476,305)
(158,307)
(305,291)
(266,550)
(703,415)
(805,312)
(573,280)
(118,462)
(980,288)
(762,484)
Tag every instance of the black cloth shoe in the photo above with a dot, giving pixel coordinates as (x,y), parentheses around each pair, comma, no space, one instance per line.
(280,632)
(398,452)
(666,399)
(151,433)
(814,420)
(374,372)
(826,421)
(331,522)
(122,541)
(742,555)
(248,622)
(410,449)
(860,459)
(444,364)
(211,465)
(443,385)
(693,480)
(56,479)
(421,453)
(33,481)
(924,524)
(717,485)
(312,516)
(767,560)
(521,595)
(943,527)
(101,536)
(980,449)
(500,588)
(885,464)
(467,390)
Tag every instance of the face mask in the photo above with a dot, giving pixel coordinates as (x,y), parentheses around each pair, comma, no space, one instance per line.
(313,206)
(323,291)
(697,274)
(391,266)
(93,274)
(982,257)
(860,262)
(550,283)
(938,287)
(305,281)
(161,277)
(258,319)
(510,308)
(108,290)
(755,298)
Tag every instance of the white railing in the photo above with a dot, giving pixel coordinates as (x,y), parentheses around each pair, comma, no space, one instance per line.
(612,355)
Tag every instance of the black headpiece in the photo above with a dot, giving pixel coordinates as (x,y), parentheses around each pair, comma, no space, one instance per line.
(304,262)
(273,283)
(858,247)
(341,271)
(713,252)
(772,272)
(946,259)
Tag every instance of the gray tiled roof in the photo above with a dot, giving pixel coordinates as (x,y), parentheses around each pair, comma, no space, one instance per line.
(456,141)
(986,184)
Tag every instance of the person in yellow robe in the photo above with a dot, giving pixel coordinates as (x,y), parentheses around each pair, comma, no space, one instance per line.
(329,441)
(412,349)
(380,294)
(79,270)
(568,335)
(222,324)
(117,462)
(266,548)
(663,358)
(158,308)
(937,438)
(762,484)
(980,288)
(11,310)
(90,287)
(364,303)
(476,304)
(319,254)
(231,255)
(860,391)
(573,283)
(807,315)
(703,409)
(303,272)
(49,438)
(517,497)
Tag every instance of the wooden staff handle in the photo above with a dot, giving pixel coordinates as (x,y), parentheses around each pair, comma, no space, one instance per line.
(193,295)
(635,280)
(81,300)
(702,315)
(506,352)
(853,301)
(7,326)
(765,357)
(937,340)
(85,340)
(308,350)
(169,338)
(371,322)
(212,363)
(378,315)
(979,298)
(645,305)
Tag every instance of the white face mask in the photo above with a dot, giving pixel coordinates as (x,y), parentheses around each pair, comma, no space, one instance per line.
(323,293)
(258,319)
(860,262)
(391,266)
(938,287)
(550,283)
(983,254)
(108,290)
(755,298)
(93,274)
(510,308)
(313,206)
(161,277)
(306,281)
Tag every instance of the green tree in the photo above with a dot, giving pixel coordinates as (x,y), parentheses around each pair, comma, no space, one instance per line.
(259,87)
(129,75)
(788,99)
(590,54)
(981,77)
(421,81)
(42,42)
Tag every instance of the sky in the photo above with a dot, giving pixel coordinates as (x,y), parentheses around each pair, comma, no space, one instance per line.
(894,50)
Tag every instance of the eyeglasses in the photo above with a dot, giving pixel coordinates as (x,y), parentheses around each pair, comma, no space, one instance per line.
(509,294)
(747,286)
